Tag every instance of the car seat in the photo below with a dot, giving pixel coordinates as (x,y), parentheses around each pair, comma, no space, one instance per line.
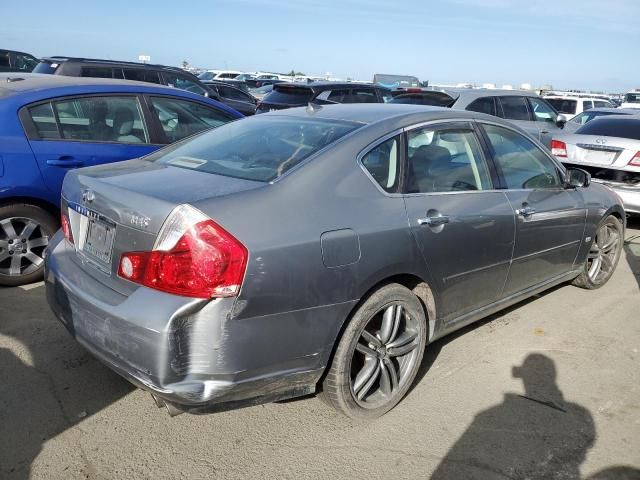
(123,126)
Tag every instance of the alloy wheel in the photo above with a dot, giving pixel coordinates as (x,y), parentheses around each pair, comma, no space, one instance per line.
(602,255)
(384,356)
(22,245)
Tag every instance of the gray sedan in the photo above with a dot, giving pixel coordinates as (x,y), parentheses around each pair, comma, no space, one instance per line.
(317,249)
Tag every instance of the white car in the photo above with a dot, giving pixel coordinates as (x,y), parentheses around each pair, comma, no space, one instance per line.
(607,147)
(572,105)
(219,75)
(631,99)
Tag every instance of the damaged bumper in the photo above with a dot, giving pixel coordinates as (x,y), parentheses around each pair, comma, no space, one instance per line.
(190,354)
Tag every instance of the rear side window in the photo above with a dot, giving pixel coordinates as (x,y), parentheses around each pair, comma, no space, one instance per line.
(522,163)
(183,83)
(445,160)
(515,108)
(363,95)
(563,105)
(45,121)
(382,162)
(542,112)
(233,94)
(260,148)
(92,119)
(601,104)
(148,76)
(483,105)
(289,95)
(587,105)
(97,72)
(612,127)
(182,118)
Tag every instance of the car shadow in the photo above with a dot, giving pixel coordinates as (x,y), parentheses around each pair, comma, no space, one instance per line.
(49,382)
(632,247)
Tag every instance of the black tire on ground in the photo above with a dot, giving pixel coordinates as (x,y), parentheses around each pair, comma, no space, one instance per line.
(591,282)
(46,227)
(337,387)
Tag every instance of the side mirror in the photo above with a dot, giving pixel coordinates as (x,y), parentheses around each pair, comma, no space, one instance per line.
(561,120)
(577,177)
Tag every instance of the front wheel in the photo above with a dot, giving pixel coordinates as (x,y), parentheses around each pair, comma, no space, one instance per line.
(379,354)
(603,255)
(24,234)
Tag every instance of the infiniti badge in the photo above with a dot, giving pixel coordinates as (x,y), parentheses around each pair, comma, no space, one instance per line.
(88,196)
(601,141)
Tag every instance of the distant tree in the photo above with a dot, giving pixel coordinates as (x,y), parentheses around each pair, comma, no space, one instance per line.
(185,64)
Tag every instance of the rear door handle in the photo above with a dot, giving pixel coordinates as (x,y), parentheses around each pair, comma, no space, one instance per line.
(434,221)
(65,161)
(526,211)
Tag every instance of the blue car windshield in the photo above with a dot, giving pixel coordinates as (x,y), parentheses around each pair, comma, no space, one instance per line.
(260,148)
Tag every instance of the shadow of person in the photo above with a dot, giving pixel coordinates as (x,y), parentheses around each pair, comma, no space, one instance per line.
(632,248)
(537,435)
(621,472)
(48,382)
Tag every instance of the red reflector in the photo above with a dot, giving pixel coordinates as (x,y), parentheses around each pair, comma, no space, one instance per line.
(558,148)
(66,227)
(207,261)
(635,161)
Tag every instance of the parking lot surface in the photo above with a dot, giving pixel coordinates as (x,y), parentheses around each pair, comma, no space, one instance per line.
(547,389)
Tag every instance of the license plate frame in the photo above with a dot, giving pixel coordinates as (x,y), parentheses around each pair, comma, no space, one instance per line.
(99,237)
(598,157)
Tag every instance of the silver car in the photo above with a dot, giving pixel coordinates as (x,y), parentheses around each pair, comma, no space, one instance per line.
(317,249)
(608,147)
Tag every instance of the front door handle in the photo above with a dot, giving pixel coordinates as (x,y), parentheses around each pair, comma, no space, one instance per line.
(526,211)
(434,221)
(65,161)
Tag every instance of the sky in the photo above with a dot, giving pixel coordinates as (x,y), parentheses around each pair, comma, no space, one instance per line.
(569,44)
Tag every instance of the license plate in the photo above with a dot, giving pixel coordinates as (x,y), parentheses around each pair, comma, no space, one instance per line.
(100,235)
(598,157)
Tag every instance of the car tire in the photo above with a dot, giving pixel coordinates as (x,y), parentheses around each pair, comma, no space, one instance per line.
(25,231)
(603,256)
(380,350)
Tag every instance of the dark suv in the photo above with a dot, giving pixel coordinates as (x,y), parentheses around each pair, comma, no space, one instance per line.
(141,72)
(12,61)
(287,95)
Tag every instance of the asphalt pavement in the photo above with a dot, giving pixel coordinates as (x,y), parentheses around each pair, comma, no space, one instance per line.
(549,388)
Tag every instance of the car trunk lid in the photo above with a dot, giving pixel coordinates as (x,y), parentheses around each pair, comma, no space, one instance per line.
(121,207)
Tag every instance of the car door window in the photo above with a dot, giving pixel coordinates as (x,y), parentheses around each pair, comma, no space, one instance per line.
(515,108)
(97,72)
(363,95)
(601,104)
(4,59)
(181,118)
(233,94)
(382,162)
(183,83)
(338,96)
(445,160)
(522,163)
(140,75)
(45,121)
(24,62)
(542,112)
(587,105)
(483,105)
(101,119)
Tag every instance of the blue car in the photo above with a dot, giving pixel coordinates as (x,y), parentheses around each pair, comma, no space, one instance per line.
(51,124)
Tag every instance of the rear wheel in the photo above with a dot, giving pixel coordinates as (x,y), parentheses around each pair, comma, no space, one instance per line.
(24,234)
(603,255)
(379,354)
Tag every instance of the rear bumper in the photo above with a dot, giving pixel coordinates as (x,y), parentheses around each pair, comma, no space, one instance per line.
(191,353)
(630,196)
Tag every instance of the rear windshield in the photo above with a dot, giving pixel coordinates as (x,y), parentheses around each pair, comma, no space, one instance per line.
(289,94)
(612,127)
(563,105)
(45,67)
(436,99)
(260,148)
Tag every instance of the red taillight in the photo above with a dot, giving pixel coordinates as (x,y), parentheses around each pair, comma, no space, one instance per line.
(635,161)
(558,148)
(66,227)
(206,261)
